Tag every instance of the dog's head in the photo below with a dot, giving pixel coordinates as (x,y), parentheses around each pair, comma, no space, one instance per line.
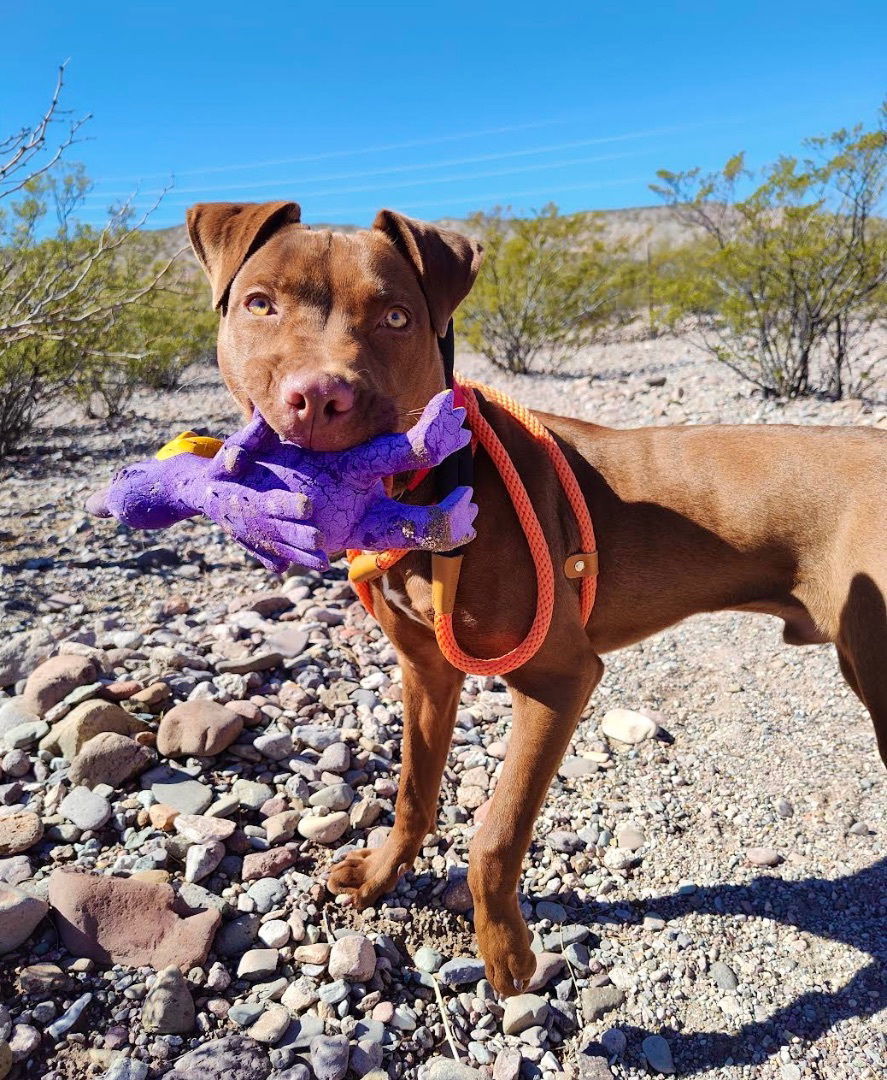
(332,336)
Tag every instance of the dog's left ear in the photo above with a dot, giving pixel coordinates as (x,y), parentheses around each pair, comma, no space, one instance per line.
(445,262)
(224,235)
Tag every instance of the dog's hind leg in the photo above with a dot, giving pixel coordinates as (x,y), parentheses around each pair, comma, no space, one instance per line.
(862,650)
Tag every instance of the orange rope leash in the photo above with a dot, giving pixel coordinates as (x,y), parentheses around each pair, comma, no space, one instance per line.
(535,536)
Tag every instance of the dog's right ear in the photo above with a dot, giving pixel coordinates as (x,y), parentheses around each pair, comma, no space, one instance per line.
(224,235)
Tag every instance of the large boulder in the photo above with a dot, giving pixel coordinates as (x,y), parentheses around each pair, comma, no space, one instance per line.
(127,921)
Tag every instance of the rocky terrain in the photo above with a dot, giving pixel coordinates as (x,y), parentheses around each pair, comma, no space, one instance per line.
(187,742)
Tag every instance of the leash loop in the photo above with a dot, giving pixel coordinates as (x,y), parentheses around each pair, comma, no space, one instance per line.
(365,566)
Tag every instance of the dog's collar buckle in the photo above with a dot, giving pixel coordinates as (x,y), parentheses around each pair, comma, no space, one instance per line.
(581,565)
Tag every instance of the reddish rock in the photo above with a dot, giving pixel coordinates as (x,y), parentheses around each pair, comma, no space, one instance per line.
(261,864)
(20,831)
(162,816)
(201,728)
(54,679)
(127,921)
(153,696)
(250,712)
(122,690)
(109,758)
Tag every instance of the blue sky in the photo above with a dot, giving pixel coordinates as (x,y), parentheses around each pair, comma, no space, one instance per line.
(435,109)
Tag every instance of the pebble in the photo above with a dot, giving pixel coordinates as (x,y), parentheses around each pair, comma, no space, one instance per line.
(109,758)
(723,975)
(168,1007)
(763,856)
(198,728)
(329,1057)
(627,726)
(324,830)
(233,1057)
(353,958)
(524,1011)
(20,914)
(599,1000)
(461,970)
(271,1025)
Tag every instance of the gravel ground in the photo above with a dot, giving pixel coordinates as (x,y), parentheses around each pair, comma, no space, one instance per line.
(710,900)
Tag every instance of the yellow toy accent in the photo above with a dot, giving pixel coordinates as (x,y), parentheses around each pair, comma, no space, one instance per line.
(189,443)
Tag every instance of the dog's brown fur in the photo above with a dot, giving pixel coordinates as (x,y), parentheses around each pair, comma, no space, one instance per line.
(783,520)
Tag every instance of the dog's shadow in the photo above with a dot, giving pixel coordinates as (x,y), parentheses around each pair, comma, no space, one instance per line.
(850,909)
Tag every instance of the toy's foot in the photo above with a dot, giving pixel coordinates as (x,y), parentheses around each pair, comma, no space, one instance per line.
(97,504)
(440,431)
(365,875)
(458,513)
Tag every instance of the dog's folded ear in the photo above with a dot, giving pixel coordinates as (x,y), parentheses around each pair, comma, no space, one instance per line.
(224,235)
(446,262)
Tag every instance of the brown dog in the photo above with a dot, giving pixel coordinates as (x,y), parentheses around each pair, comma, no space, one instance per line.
(334,338)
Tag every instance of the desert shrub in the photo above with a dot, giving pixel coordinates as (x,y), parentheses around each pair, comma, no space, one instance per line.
(792,277)
(83,310)
(544,287)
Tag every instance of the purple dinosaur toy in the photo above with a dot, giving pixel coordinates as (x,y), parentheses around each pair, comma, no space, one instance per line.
(285,504)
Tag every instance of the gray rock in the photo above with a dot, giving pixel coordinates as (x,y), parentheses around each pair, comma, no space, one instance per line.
(21,653)
(235,937)
(232,1058)
(427,959)
(251,793)
(522,1012)
(25,735)
(329,1057)
(86,809)
(442,1068)
(461,971)
(257,964)
(69,1017)
(178,789)
(202,859)
(723,975)
(168,1007)
(126,1068)
(598,1000)
(658,1054)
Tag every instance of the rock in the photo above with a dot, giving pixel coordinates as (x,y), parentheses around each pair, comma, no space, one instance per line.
(19,915)
(251,794)
(257,964)
(658,1054)
(352,958)
(723,975)
(168,1007)
(20,653)
(162,816)
(444,1068)
(271,1025)
(54,679)
(84,722)
(290,642)
(109,758)
(15,869)
(267,893)
(461,970)
(262,864)
(125,1068)
(200,829)
(329,1057)
(202,859)
(630,837)
(427,959)
(24,736)
(598,1000)
(282,827)
(259,662)
(86,809)
(618,859)
(524,1011)
(333,797)
(42,979)
(326,829)
(275,934)
(763,856)
(197,728)
(592,1064)
(628,727)
(69,1017)
(178,789)
(125,921)
(5,1059)
(548,964)
(614,1042)
(20,831)
(237,936)
(231,1058)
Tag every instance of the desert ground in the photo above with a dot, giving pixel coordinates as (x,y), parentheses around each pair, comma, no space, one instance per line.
(709,901)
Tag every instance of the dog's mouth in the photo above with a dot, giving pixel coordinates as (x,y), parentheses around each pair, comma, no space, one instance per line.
(372,415)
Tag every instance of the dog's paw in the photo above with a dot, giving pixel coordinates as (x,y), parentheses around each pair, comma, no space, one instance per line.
(365,875)
(504,944)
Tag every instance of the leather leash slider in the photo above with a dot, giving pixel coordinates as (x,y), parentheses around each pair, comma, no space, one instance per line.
(583,564)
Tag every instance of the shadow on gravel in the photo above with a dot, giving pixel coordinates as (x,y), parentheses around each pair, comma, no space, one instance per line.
(851,910)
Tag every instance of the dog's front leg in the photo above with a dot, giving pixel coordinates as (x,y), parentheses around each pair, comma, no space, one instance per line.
(431,689)
(547,705)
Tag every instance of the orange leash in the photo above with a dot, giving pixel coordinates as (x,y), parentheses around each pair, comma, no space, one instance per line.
(583,565)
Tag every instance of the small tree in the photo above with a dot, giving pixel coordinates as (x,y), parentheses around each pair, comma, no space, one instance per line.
(543,288)
(77,303)
(785,292)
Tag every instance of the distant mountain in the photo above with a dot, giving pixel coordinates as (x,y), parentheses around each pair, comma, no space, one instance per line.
(638,226)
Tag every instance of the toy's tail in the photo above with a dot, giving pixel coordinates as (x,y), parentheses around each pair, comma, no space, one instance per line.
(97,504)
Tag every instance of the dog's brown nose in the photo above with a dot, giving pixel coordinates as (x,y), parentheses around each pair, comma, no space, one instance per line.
(316,402)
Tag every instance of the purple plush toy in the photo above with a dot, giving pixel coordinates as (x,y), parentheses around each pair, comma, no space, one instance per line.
(285,504)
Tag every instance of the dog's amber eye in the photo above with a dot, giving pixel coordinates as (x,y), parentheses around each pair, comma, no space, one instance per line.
(396,318)
(259,304)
